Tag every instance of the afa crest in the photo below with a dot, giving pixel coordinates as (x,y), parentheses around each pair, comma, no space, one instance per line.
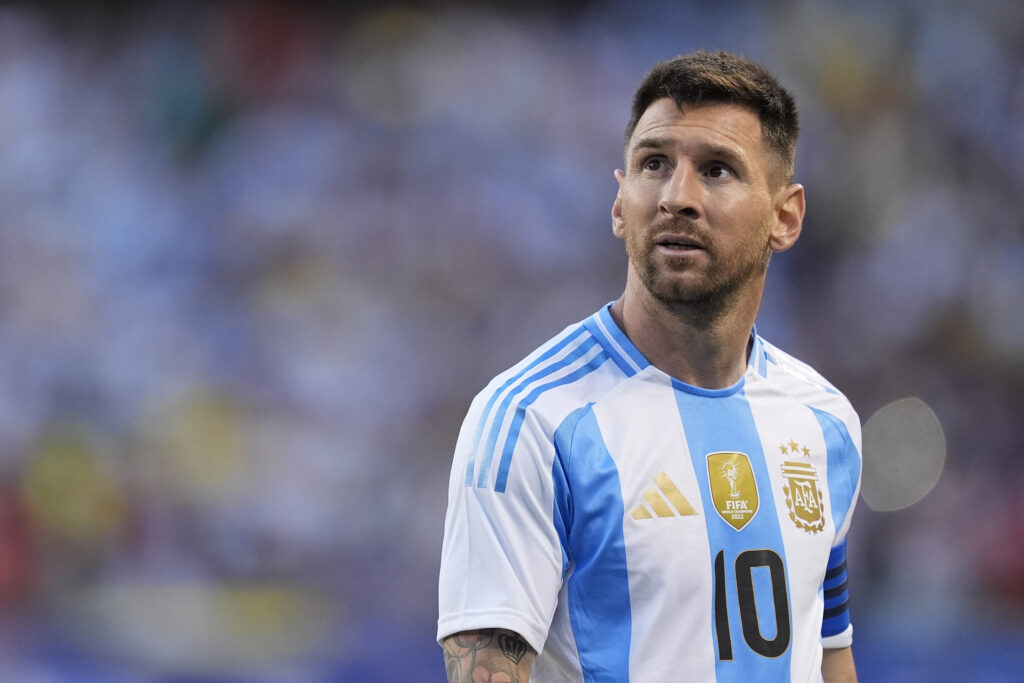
(803,496)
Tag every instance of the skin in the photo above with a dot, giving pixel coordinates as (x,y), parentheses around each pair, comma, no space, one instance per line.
(492,655)
(701,208)
(699,176)
(837,666)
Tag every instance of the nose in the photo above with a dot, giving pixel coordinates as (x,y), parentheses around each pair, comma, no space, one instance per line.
(681,195)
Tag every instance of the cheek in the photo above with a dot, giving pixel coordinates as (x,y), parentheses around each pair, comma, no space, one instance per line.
(739,217)
(638,199)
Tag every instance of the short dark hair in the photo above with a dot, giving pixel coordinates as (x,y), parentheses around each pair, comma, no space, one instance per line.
(716,77)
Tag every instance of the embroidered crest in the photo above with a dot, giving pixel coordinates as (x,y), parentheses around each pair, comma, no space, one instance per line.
(803,496)
(733,488)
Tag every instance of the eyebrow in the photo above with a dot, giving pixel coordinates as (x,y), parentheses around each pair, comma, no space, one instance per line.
(705,149)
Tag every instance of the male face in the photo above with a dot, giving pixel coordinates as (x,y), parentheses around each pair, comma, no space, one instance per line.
(697,206)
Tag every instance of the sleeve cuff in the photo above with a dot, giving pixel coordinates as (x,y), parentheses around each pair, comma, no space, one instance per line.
(512,621)
(839,640)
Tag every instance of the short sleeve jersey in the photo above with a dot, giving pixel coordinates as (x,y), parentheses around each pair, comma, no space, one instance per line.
(635,528)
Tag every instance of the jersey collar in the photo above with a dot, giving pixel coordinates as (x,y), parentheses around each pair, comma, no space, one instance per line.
(631,361)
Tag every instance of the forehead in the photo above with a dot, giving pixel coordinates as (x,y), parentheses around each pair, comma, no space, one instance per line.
(718,123)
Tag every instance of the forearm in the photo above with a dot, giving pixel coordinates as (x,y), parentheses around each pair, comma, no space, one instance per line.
(492,655)
(837,666)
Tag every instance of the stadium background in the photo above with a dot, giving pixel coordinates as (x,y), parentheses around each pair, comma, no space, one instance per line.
(256,259)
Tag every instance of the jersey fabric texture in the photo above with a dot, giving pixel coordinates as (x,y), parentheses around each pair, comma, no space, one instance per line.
(635,528)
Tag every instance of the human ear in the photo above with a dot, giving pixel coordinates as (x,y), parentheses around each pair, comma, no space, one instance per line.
(617,221)
(789,217)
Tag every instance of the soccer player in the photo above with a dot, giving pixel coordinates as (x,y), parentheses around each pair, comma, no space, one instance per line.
(658,493)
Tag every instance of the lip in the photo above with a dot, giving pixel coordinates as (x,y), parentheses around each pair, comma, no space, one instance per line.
(678,243)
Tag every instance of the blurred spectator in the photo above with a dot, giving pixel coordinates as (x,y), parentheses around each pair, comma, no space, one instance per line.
(256,258)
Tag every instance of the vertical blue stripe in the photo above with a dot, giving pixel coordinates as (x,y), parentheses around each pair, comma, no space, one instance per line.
(843,464)
(562,507)
(520,415)
(547,355)
(499,415)
(716,422)
(598,589)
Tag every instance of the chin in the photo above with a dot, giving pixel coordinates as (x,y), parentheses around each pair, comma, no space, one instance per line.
(677,291)
(700,301)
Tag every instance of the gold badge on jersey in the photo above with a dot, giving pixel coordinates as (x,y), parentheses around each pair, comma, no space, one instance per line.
(733,488)
(802,493)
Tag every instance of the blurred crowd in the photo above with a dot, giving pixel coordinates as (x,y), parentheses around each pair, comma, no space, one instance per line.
(256,258)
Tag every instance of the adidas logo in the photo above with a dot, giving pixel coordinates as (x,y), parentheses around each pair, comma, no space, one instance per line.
(655,498)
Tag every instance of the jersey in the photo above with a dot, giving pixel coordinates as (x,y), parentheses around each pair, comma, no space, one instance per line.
(631,527)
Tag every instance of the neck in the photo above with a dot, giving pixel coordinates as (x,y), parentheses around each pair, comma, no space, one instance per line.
(707,351)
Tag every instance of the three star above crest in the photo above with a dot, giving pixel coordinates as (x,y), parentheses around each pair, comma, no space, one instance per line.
(794,448)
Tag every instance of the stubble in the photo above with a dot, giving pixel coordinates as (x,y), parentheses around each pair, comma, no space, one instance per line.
(725,278)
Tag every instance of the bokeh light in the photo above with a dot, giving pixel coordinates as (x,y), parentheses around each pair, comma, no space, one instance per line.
(904,453)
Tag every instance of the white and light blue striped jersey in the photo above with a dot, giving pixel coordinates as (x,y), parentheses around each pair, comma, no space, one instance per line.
(635,528)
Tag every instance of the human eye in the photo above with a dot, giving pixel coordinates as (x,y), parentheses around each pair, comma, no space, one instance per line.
(653,164)
(719,170)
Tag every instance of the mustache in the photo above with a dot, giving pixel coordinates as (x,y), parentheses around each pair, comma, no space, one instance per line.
(681,226)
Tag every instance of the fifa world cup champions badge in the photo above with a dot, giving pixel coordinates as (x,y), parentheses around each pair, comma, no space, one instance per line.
(733,488)
(803,496)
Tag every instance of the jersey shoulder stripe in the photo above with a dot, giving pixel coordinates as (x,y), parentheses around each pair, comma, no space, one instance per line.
(571,356)
(539,358)
(517,421)
(619,347)
(575,354)
(844,465)
(781,365)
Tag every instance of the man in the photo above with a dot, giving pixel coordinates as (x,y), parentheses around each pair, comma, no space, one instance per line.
(657,493)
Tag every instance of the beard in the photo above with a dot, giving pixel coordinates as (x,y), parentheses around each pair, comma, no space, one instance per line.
(724,279)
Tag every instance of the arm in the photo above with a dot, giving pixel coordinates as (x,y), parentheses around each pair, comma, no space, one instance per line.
(502,558)
(837,666)
(490,655)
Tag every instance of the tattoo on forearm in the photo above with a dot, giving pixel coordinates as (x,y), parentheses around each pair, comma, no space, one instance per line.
(465,663)
(512,646)
(460,653)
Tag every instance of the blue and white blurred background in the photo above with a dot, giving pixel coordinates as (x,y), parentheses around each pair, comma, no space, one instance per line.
(255,260)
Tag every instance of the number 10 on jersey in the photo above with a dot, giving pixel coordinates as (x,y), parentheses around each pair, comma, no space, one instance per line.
(746,562)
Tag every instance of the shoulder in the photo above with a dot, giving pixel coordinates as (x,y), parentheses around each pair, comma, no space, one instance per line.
(839,423)
(571,369)
(782,365)
(517,414)
(805,384)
